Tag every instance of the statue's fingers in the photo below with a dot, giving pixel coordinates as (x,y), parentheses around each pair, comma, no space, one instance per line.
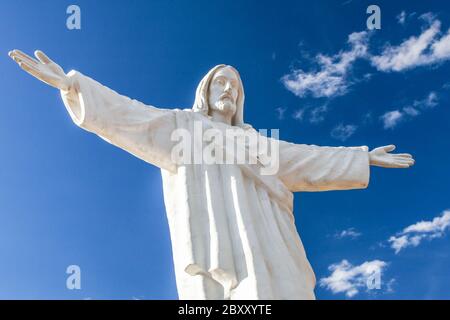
(406,159)
(19,60)
(24,56)
(405,162)
(389,148)
(42,57)
(401,165)
(52,81)
(403,158)
(404,155)
(30,69)
(16,59)
(409,163)
(396,158)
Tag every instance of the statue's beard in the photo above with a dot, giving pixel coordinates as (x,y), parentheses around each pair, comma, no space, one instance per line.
(225,106)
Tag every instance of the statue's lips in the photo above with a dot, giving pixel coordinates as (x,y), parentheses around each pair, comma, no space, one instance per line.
(226,96)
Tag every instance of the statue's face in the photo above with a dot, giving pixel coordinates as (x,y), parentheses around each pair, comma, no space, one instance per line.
(223,91)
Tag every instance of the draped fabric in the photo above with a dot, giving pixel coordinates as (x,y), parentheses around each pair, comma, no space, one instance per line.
(232,229)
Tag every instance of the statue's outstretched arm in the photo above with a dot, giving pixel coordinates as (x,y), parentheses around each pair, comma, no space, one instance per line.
(142,130)
(43,69)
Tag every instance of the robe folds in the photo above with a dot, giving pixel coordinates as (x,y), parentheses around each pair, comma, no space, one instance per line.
(232,229)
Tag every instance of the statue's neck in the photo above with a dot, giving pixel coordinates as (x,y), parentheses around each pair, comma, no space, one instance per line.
(221,117)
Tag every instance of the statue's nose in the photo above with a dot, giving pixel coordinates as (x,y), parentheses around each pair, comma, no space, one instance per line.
(228,87)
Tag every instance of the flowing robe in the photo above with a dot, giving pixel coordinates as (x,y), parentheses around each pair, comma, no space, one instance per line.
(232,229)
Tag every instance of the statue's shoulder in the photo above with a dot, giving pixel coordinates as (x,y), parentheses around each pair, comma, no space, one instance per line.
(188,114)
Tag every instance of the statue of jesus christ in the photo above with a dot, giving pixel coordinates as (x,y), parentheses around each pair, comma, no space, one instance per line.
(232,228)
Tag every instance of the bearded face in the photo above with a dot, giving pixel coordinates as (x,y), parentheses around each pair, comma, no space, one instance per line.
(223,91)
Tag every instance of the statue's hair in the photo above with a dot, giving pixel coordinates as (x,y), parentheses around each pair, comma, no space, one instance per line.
(201,103)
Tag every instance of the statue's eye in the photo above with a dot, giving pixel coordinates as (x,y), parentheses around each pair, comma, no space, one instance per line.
(220,81)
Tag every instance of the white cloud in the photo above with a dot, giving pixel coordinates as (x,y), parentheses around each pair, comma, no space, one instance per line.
(441,48)
(349,279)
(401,18)
(280,112)
(390,285)
(299,114)
(411,111)
(331,77)
(413,235)
(391,119)
(312,114)
(367,118)
(348,233)
(397,243)
(426,49)
(317,114)
(343,132)
(428,17)
(430,101)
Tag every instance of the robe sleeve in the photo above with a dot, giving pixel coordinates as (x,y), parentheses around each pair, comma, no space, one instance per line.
(314,168)
(142,130)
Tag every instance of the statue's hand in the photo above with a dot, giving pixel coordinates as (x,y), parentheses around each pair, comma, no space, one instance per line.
(44,69)
(382,158)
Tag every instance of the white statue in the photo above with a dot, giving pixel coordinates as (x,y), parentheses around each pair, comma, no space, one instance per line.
(232,228)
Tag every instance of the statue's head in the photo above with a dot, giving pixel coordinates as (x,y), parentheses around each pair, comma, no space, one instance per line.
(221,90)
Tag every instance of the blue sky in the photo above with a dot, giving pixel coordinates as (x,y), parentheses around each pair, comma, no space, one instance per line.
(67,197)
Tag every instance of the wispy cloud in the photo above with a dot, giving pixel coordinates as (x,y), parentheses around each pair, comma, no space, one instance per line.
(349,279)
(299,114)
(317,114)
(401,17)
(390,285)
(330,78)
(343,132)
(367,118)
(331,75)
(392,118)
(425,49)
(428,17)
(312,114)
(414,234)
(430,101)
(280,112)
(351,233)
(411,111)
